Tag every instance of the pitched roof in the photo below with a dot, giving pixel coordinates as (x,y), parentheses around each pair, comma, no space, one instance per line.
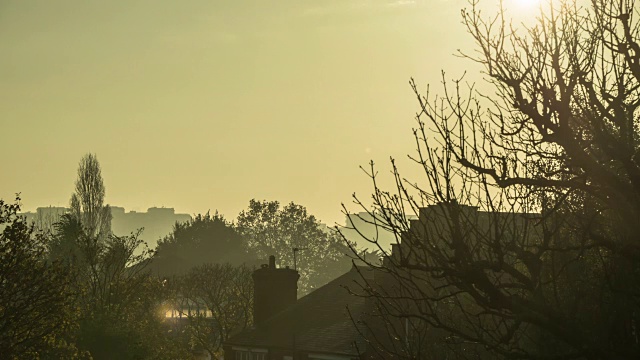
(319,322)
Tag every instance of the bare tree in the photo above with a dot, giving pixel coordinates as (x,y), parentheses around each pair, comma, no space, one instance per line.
(216,301)
(526,243)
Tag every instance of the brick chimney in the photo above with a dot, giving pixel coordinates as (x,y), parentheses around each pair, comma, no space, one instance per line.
(274,289)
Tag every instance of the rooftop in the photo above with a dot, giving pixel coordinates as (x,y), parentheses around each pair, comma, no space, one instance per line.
(319,322)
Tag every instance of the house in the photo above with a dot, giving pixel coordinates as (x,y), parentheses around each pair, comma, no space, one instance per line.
(318,326)
(388,306)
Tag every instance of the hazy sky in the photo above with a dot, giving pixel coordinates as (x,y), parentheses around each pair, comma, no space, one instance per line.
(205,104)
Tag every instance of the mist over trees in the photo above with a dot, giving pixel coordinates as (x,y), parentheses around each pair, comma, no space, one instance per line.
(264,229)
(76,290)
(79,292)
(291,231)
(117,298)
(519,241)
(527,237)
(204,239)
(207,265)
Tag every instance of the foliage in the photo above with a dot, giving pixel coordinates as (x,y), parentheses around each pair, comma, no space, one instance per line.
(120,301)
(271,230)
(204,239)
(38,311)
(79,291)
(545,261)
(135,331)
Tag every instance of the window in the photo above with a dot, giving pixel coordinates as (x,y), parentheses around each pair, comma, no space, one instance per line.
(249,355)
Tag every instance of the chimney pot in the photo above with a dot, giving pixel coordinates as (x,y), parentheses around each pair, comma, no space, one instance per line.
(273,290)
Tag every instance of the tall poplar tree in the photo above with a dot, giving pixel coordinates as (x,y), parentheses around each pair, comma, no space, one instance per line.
(87,202)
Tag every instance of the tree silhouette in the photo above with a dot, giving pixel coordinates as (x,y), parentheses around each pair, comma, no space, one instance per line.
(38,309)
(204,239)
(216,300)
(271,230)
(526,243)
(87,202)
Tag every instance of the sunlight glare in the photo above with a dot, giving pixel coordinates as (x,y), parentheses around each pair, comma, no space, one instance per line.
(525,4)
(525,11)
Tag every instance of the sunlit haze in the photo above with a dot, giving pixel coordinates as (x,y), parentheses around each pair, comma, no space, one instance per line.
(204,105)
(526,4)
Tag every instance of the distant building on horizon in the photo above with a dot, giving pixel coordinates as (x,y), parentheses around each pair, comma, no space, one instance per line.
(364,227)
(157,222)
